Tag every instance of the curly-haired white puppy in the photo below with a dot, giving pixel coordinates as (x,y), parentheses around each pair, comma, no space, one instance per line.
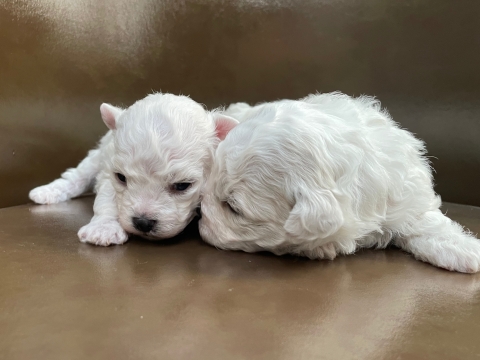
(324,176)
(149,169)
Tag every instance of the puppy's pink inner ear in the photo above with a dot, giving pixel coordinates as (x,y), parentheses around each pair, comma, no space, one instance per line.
(223,125)
(110,115)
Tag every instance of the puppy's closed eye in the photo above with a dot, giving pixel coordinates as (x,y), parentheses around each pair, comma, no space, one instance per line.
(121,178)
(233,209)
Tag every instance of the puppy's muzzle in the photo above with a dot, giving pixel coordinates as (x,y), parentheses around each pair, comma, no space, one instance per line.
(143,224)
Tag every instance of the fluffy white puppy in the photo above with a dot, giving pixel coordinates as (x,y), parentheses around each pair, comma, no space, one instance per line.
(324,176)
(149,169)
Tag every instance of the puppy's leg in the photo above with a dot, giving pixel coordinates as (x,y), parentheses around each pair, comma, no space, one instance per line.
(73,182)
(104,228)
(436,239)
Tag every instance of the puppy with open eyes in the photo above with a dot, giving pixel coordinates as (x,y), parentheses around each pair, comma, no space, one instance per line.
(149,169)
(324,176)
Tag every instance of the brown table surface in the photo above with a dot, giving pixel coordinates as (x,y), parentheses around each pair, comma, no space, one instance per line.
(182,299)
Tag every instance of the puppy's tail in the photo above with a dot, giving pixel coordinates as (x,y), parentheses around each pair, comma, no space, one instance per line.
(436,239)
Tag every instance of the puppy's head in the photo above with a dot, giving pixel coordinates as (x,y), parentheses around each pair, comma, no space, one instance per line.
(158,161)
(264,192)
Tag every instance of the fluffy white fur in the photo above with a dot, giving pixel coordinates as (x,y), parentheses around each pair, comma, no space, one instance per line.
(160,141)
(324,176)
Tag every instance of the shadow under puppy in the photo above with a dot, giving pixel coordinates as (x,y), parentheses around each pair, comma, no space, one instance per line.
(324,176)
(149,169)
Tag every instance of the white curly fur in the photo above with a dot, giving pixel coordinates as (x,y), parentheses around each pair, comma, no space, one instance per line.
(159,141)
(324,176)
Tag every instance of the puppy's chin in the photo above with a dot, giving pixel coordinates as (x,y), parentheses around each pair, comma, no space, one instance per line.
(156,236)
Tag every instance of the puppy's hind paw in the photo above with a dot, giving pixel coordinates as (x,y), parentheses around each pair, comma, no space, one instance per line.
(103,233)
(457,252)
(465,259)
(47,194)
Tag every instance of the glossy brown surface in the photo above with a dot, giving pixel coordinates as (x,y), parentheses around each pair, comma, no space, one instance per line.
(59,59)
(61,299)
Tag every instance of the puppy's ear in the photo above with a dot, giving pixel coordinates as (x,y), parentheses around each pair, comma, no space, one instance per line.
(110,115)
(316,215)
(223,125)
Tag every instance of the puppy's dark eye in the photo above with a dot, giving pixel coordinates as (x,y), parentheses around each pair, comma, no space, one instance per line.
(121,178)
(181,186)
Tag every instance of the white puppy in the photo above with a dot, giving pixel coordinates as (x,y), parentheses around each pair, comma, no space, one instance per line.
(149,169)
(324,176)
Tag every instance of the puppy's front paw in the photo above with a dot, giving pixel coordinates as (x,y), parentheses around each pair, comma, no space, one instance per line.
(103,233)
(48,194)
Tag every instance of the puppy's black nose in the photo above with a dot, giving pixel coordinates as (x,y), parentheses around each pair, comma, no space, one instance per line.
(143,224)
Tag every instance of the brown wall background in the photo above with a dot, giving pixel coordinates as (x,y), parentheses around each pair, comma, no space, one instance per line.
(59,59)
